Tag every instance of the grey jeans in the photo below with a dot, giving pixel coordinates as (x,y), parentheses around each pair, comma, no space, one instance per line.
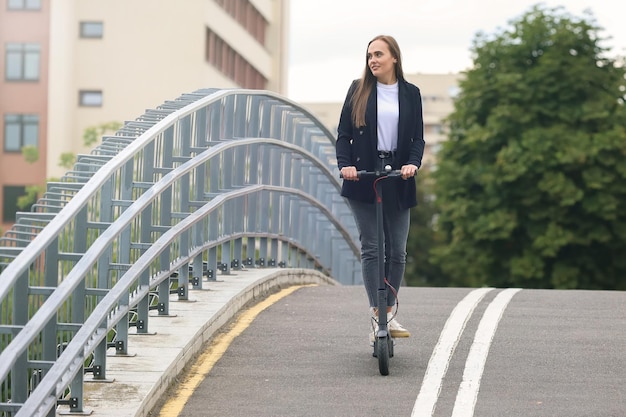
(396,231)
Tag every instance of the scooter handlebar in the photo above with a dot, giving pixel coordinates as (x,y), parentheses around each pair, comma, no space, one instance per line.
(377,174)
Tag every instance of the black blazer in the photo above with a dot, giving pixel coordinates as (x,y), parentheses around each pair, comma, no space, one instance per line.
(358,146)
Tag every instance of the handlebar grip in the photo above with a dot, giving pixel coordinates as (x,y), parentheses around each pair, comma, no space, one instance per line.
(358,174)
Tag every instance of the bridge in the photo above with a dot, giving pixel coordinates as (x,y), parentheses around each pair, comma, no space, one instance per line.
(211,182)
(130,266)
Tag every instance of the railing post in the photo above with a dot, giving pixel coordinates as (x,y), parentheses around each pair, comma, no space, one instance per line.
(212,234)
(121,330)
(19,372)
(238,209)
(163,306)
(198,194)
(225,256)
(76,401)
(51,279)
(197,267)
(143,306)
(264,224)
(99,364)
(252,206)
(183,272)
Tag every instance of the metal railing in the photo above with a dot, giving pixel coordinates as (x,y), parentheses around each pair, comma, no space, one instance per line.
(212,181)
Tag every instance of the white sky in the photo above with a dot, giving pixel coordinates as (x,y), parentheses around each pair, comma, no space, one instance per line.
(328,38)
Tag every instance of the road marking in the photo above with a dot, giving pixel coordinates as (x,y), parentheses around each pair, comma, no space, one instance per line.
(198,372)
(475,364)
(440,358)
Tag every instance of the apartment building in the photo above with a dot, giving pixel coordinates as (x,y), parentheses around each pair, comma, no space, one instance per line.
(438,92)
(67,65)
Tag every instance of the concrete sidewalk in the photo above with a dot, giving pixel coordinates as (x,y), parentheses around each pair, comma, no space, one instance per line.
(140,380)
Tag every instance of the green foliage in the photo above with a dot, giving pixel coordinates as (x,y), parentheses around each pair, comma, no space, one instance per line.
(30,154)
(67,160)
(531,186)
(92,134)
(32,191)
(420,270)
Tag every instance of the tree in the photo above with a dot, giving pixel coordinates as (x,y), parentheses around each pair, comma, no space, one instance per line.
(420,270)
(531,186)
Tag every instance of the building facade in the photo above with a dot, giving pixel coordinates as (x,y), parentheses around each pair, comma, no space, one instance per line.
(438,93)
(68,65)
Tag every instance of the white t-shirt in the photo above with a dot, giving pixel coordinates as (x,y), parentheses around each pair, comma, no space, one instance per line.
(388,113)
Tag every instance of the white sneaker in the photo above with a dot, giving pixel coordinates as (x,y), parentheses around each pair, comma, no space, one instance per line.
(396,329)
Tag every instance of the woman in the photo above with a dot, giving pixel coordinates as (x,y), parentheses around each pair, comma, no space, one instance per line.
(381,124)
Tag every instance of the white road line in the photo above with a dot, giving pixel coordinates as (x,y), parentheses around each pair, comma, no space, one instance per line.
(440,358)
(475,364)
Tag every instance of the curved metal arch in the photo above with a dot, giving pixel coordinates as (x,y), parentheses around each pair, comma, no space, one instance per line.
(47,235)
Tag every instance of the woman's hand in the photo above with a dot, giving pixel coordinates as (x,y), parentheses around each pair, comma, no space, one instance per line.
(349,173)
(408,171)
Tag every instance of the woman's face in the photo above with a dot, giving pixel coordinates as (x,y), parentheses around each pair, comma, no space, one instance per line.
(380,62)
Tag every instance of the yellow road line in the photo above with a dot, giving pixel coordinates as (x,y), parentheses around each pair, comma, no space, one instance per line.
(206,361)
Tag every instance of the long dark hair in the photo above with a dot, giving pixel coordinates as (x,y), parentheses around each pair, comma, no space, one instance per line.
(368,80)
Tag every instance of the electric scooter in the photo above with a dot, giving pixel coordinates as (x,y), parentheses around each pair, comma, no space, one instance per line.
(383,343)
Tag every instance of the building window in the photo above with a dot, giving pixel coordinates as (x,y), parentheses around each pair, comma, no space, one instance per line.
(24,4)
(22,62)
(9,205)
(247,16)
(20,130)
(93,30)
(90,98)
(230,63)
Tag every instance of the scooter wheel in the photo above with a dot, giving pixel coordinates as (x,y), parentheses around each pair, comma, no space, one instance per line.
(382,353)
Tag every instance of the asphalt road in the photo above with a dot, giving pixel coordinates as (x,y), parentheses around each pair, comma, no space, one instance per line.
(484,353)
